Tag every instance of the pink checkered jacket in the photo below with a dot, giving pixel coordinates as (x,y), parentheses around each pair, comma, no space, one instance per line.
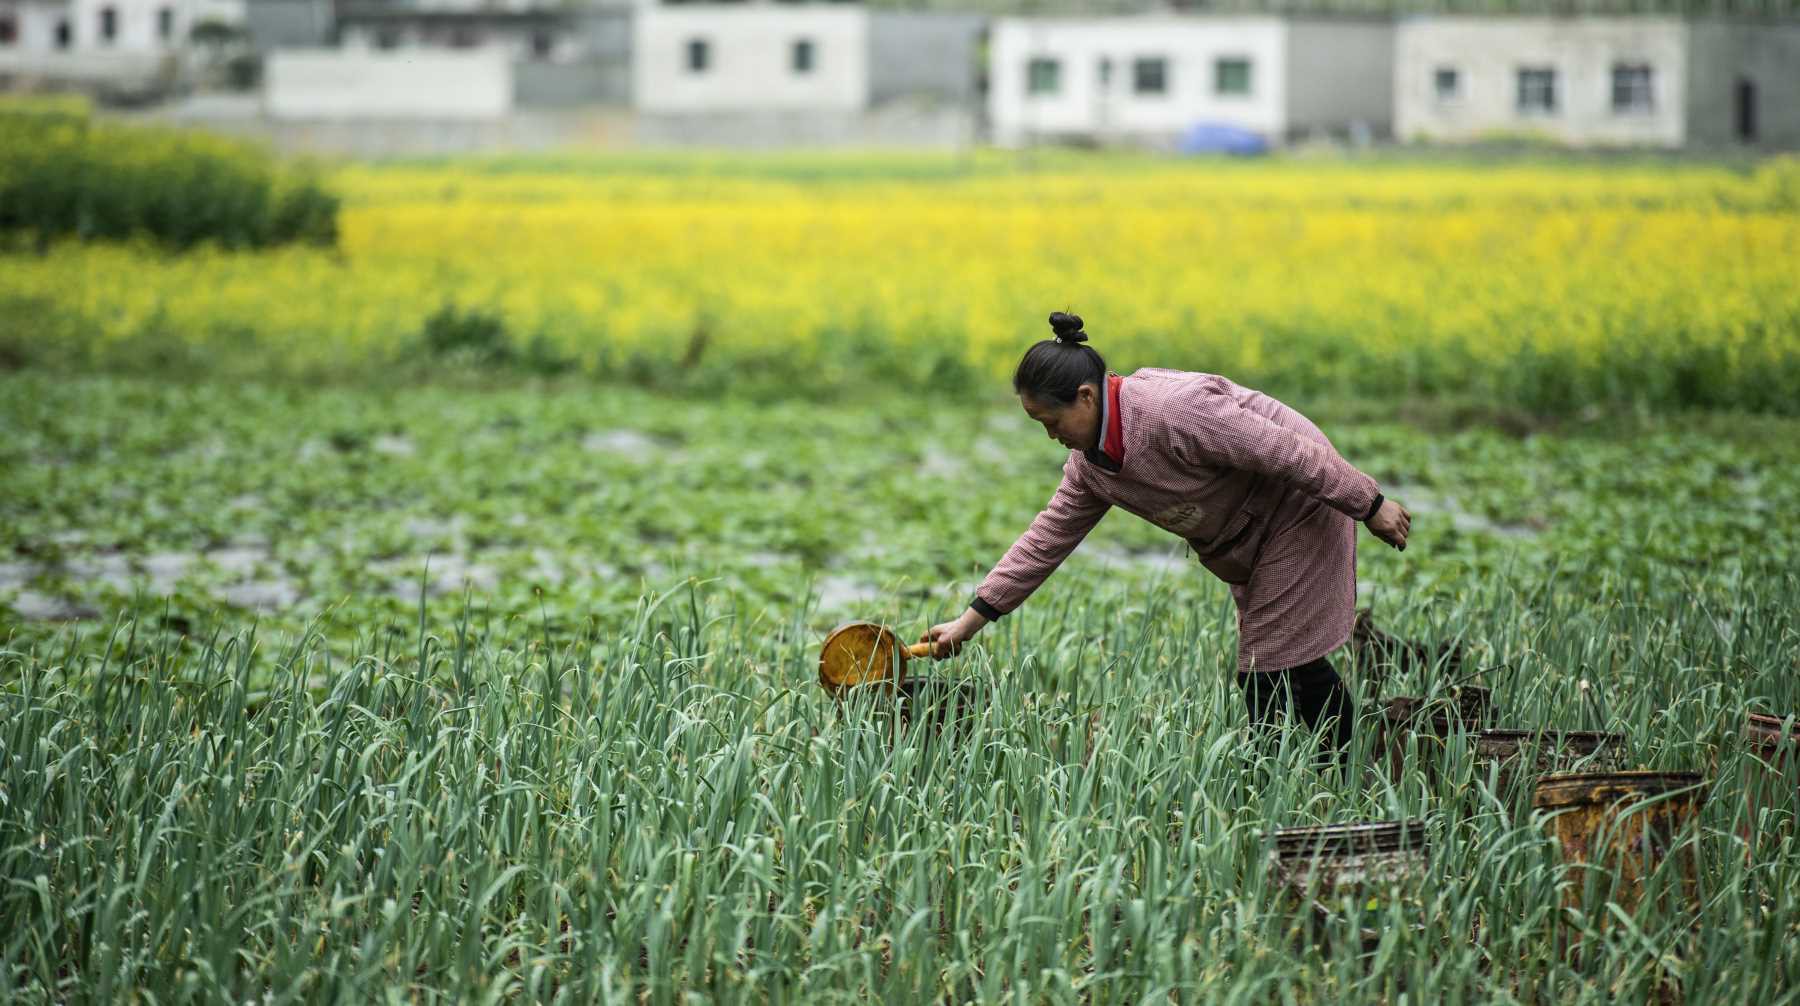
(1256,490)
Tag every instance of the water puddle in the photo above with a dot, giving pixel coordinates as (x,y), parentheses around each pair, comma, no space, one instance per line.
(626,443)
(941,464)
(17,574)
(1426,504)
(392,446)
(839,593)
(39,607)
(440,575)
(1158,561)
(273,594)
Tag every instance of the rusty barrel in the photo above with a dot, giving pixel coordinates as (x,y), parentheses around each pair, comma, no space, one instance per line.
(1467,707)
(1625,824)
(1364,860)
(1525,754)
(1770,760)
(938,703)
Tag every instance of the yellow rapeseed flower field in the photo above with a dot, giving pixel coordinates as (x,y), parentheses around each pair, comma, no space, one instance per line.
(1539,285)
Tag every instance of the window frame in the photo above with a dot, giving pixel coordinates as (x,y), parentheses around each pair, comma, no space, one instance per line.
(803,57)
(1647,91)
(1441,73)
(109,24)
(1035,84)
(1221,63)
(1551,107)
(696,51)
(1140,65)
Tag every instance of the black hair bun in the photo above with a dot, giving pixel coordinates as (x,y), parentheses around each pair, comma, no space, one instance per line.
(1067,327)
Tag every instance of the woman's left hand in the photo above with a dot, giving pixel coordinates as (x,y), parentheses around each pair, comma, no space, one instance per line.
(1392,523)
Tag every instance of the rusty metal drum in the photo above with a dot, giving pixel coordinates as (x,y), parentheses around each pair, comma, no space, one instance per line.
(1523,755)
(1625,825)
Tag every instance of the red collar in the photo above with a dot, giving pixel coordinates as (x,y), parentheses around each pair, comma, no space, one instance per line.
(1111,455)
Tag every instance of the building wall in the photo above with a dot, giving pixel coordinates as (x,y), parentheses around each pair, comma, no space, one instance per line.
(1487,52)
(1340,73)
(924,54)
(340,85)
(749,58)
(288,24)
(35,24)
(136,24)
(1082,106)
(1766,54)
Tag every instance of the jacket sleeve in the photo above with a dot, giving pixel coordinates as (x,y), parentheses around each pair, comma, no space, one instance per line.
(1211,429)
(1071,513)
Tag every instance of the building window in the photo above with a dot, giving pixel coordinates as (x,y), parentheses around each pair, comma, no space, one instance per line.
(542,44)
(9,30)
(65,36)
(1537,91)
(699,55)
(109,23)
(464,37)
(1150,75)
(803,55)
(1043,76)
(1231,75)
(1103,72)
(165,23)
(1633,88)
(1446,83)
(387,38)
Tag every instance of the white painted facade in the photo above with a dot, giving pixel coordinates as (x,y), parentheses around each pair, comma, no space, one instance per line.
(99,26)
(1460,78)
(745,57)
(1097,90)
(34,25)
(335,85)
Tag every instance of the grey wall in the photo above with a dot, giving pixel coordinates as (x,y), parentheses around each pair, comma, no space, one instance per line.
(924,53)
(289,24)
(601,75)
(537,84)
(1340,71)
(1766,52)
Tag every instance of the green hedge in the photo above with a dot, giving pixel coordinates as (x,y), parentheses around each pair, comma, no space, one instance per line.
(64,174)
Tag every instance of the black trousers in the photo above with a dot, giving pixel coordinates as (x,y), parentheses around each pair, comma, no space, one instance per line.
(1312,690)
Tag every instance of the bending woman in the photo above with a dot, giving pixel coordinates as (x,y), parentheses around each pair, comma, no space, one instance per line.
(1255,489)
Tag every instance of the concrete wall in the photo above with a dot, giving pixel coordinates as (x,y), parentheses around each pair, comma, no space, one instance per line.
(288,24)
(1767,54)
(1084,107)
(913,54)
(35,23)
(1340,74)
(750,52)
(136,23)
(113,75)
(1489,51)
(538,84)
(337,85)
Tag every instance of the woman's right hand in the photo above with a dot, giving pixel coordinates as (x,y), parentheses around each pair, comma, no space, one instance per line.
(947,638)
(1392,524)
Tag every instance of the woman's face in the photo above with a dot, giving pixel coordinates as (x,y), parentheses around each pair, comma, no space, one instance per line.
(1075,425)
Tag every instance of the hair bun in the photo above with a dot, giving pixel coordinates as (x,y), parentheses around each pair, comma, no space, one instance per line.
(1067,327)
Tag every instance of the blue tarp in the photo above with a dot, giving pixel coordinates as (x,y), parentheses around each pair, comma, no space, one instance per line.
(1220,138)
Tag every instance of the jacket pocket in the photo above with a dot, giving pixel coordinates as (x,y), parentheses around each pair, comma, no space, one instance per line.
(1232,555)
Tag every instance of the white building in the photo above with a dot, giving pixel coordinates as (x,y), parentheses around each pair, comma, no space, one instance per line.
(1602,81)
(1153,77)
(137,26)
(750,57)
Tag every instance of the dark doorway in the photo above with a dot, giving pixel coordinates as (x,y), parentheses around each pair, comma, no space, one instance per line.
(1746,110)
